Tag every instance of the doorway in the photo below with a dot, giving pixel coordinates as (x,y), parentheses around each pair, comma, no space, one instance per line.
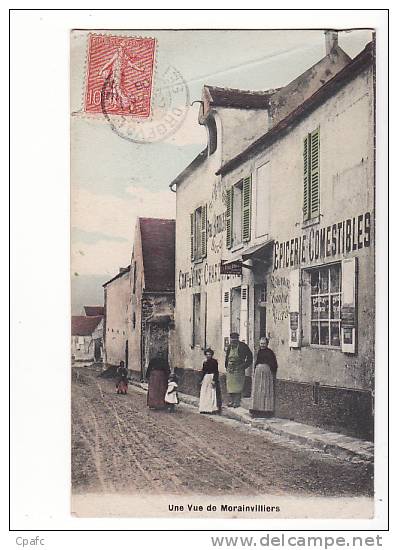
(235,309)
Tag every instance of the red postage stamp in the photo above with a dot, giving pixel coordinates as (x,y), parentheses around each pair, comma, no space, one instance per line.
(119,75)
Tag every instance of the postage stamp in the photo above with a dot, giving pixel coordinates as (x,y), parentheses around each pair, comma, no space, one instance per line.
(127,66)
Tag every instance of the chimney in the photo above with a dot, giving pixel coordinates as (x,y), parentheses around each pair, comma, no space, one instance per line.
(331,41)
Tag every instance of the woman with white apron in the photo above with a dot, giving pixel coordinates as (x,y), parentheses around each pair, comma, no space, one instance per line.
(210,393)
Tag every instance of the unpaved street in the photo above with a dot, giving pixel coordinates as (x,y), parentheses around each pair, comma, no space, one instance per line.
(119,445)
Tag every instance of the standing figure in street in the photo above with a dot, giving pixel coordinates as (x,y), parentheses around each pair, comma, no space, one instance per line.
(263,401)
(171,397)
(122,383)
(210,392)
(237,359)
(157,375)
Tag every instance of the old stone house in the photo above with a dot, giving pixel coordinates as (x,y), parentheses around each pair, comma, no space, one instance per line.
(275,236)
(87,339)
(139,300)
(152,292)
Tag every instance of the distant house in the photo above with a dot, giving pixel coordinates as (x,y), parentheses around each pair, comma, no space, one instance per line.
(87,332)
(94,311)
(139,300)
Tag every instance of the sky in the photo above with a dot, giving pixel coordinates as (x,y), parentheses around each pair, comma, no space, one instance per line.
(113,180)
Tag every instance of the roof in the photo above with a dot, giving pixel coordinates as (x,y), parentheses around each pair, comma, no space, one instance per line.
(240,99)
(197,161)
(93,311)
(363,59)
(84,326)
(158,253)
(122,271)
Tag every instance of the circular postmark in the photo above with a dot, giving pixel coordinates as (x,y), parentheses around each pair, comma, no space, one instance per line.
(168,108)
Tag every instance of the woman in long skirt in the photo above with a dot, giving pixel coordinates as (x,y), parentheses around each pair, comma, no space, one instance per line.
(210,392)
(263,400)
(157,375)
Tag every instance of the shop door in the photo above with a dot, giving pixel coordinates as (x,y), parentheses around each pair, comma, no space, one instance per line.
(235,309)
(260,314)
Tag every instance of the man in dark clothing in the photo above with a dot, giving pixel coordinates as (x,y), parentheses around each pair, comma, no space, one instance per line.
(237,359)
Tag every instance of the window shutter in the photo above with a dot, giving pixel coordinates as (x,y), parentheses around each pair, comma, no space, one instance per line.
(244,312)
(348,305)
(314,173)
(203,231)
(193,320)
(226,318)
(294,309)
(246,208)
(306,209)
(192,237)
(229,216)
(203,317)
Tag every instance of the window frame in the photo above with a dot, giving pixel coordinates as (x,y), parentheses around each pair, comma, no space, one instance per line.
(329,294)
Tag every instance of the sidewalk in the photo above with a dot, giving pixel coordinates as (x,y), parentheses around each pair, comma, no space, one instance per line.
(339,445)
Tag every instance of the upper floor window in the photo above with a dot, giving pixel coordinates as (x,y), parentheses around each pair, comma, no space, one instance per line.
(238,216)
(212,135)
(311,155)
(198,223)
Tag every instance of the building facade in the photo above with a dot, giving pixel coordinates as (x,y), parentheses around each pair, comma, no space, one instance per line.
(116,299)
(87,339)
(275,237)
(139,300)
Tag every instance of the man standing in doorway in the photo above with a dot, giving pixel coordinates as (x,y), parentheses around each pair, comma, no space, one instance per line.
(237,359)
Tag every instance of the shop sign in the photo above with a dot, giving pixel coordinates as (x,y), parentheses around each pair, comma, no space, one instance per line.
(231,268)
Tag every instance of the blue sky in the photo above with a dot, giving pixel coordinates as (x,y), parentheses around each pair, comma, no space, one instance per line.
(114,180)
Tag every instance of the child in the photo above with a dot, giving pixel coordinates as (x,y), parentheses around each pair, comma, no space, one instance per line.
(171,397)
(122,383)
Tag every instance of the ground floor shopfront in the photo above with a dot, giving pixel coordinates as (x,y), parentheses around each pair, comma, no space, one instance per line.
(314,299)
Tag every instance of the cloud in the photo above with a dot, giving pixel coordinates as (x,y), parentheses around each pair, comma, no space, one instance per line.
(113,218)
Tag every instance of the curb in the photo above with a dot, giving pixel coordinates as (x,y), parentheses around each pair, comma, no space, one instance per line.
(335,444)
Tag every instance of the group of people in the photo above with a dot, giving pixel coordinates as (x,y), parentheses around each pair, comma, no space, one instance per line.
(163,384)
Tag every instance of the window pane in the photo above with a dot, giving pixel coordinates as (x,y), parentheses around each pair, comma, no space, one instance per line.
(324,334)
(314,282)
(335,334)
(324,281)
(335,278)
(314,333)
(324,307)
(335,307)
(315,307)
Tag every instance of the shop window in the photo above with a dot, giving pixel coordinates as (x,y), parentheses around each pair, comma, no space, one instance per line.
(198,222)
(238,215)
(325,305)
(311,156)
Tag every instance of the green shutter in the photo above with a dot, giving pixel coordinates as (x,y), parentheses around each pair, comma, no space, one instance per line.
(246,208)
(306,157)
(203,231)
(228,220)
(192,237)
(314,173)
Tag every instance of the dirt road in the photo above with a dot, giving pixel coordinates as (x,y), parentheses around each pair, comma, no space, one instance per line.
(119,445)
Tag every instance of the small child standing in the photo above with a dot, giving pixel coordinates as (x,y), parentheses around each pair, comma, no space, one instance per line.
(171,397)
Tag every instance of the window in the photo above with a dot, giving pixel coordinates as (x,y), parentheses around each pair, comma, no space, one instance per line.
(134,319)
(134,277)
(311,155)
(326,305)
(238,215)
(196,319)
(199,233)
(212,135)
